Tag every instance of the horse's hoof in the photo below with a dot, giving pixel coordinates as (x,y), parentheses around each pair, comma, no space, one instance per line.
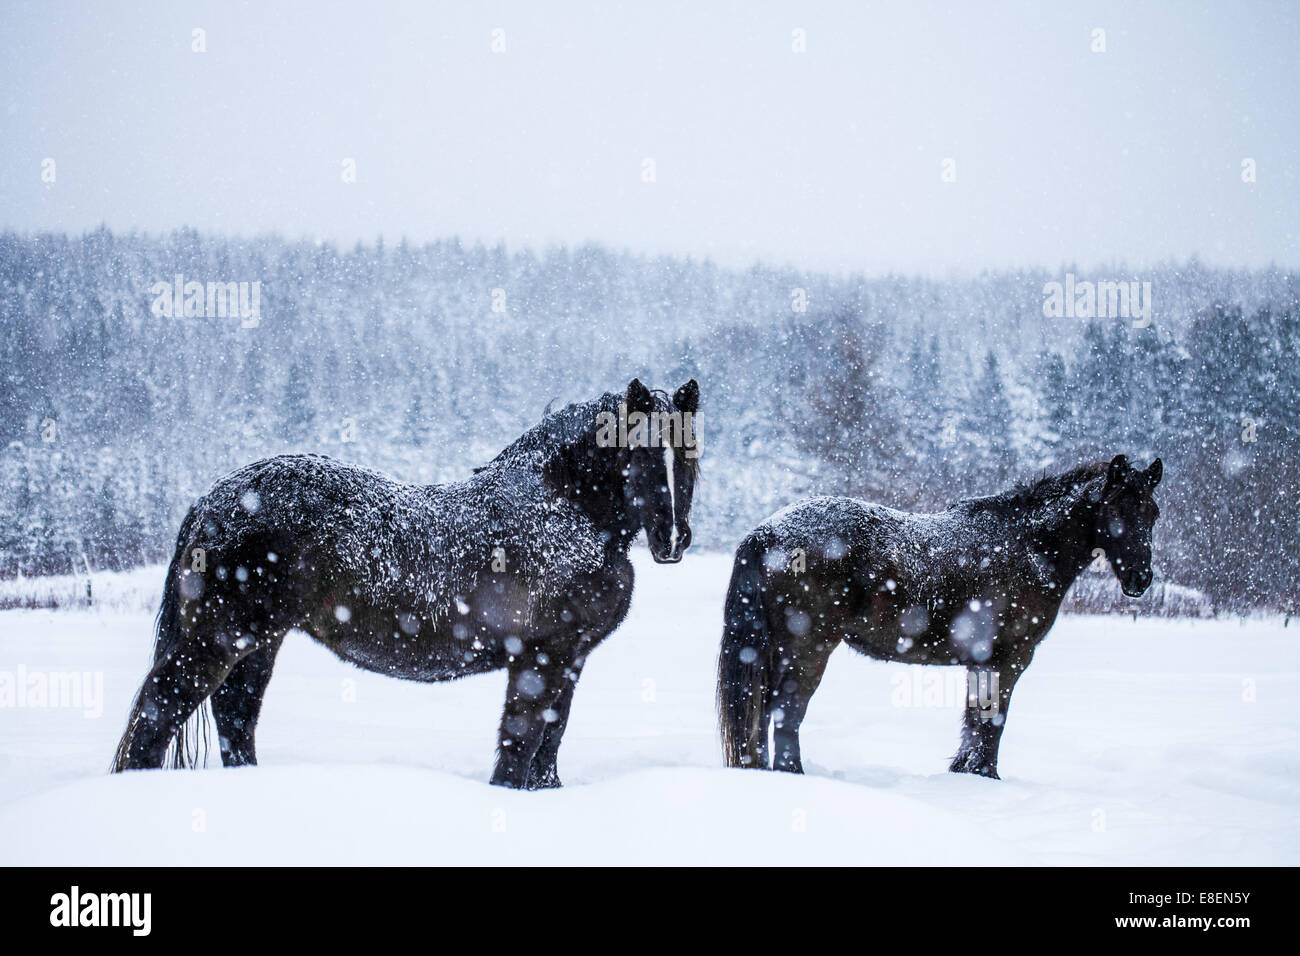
(969,765)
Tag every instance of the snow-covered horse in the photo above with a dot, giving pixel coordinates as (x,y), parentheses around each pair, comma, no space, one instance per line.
(977,585)
(523,566)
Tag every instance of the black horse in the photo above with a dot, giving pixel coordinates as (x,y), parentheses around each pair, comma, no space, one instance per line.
(524,566)
(977,585)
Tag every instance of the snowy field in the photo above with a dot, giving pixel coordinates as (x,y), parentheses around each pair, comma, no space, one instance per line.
(1156,742)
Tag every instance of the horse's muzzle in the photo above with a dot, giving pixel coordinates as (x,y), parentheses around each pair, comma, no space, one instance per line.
(1136,589)
(668,549)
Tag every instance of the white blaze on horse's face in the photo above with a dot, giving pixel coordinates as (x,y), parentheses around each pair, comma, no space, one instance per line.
(660,470)
(663,484)
(672,498)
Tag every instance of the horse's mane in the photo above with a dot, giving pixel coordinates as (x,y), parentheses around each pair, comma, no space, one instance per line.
(572,425)
(1050,487)
(558,430)
(1042,490)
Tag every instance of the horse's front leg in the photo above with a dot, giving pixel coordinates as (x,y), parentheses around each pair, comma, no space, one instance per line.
(532,693)
(544,772)
(988,698)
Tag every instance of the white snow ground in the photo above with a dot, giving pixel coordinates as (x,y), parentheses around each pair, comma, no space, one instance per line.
(1156,742)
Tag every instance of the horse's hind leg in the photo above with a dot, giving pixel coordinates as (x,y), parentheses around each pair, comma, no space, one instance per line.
(798,669)
(238,701)
(175,688)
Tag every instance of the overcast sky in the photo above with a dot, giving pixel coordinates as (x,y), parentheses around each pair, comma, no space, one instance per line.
(831,158)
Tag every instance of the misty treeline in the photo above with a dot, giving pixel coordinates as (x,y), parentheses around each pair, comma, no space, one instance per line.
(425,360)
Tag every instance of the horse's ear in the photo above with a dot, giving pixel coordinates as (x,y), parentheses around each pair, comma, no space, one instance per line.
(1155,472)
(639,398)
(1119,468)
(687,398)
(1098,491)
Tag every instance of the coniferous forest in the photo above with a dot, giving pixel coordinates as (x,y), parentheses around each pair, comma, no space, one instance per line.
(425,360)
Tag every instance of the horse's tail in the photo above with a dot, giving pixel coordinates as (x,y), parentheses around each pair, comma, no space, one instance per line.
(745,662)
(167,637)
